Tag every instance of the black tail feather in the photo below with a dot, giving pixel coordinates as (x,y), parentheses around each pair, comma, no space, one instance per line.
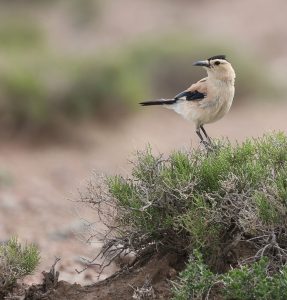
(158,102)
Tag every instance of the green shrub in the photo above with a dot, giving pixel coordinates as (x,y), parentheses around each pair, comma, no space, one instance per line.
(254,282)
(16,261)
(228,203)
(242,283)
(194,198)
(195,280)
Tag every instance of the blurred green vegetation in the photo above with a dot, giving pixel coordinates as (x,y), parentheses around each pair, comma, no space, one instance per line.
(40,88)
(6,178)
(16,35)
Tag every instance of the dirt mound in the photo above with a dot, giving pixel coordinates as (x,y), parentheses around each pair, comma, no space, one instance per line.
(151,281)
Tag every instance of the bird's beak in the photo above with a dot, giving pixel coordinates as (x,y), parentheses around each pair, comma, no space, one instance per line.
(202,63)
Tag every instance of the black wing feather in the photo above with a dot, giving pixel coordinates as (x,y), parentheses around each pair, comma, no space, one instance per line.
(158,102)
(189,96)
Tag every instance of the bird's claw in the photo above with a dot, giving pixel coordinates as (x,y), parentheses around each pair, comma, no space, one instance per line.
(208,145)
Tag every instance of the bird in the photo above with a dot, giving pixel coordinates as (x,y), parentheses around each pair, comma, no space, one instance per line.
(207,100)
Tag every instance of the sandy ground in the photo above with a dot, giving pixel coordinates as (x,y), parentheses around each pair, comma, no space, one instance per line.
(40,182)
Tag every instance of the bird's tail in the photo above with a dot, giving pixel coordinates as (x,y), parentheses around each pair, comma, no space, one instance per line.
(158,102)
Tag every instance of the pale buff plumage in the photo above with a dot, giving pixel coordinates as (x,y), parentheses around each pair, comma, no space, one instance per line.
(207,100)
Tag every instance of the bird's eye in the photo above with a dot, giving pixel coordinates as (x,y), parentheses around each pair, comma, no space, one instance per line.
(217,63)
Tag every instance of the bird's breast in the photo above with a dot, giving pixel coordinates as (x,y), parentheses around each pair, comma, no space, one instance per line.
(218,105)
(214,106)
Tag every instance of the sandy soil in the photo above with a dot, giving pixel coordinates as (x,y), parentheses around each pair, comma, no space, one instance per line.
(150,281)
(40,182)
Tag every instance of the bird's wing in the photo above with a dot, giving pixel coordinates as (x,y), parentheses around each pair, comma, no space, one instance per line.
(197,91)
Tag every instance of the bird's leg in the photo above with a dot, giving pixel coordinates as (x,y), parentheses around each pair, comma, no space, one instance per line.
(206,135)
(199,134)
(205,143)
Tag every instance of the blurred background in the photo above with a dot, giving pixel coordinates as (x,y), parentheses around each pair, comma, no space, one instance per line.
(71,75)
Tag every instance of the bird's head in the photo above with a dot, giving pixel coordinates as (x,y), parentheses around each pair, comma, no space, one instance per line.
(217,67)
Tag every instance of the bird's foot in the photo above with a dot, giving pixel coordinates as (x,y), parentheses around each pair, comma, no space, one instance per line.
(208,146)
